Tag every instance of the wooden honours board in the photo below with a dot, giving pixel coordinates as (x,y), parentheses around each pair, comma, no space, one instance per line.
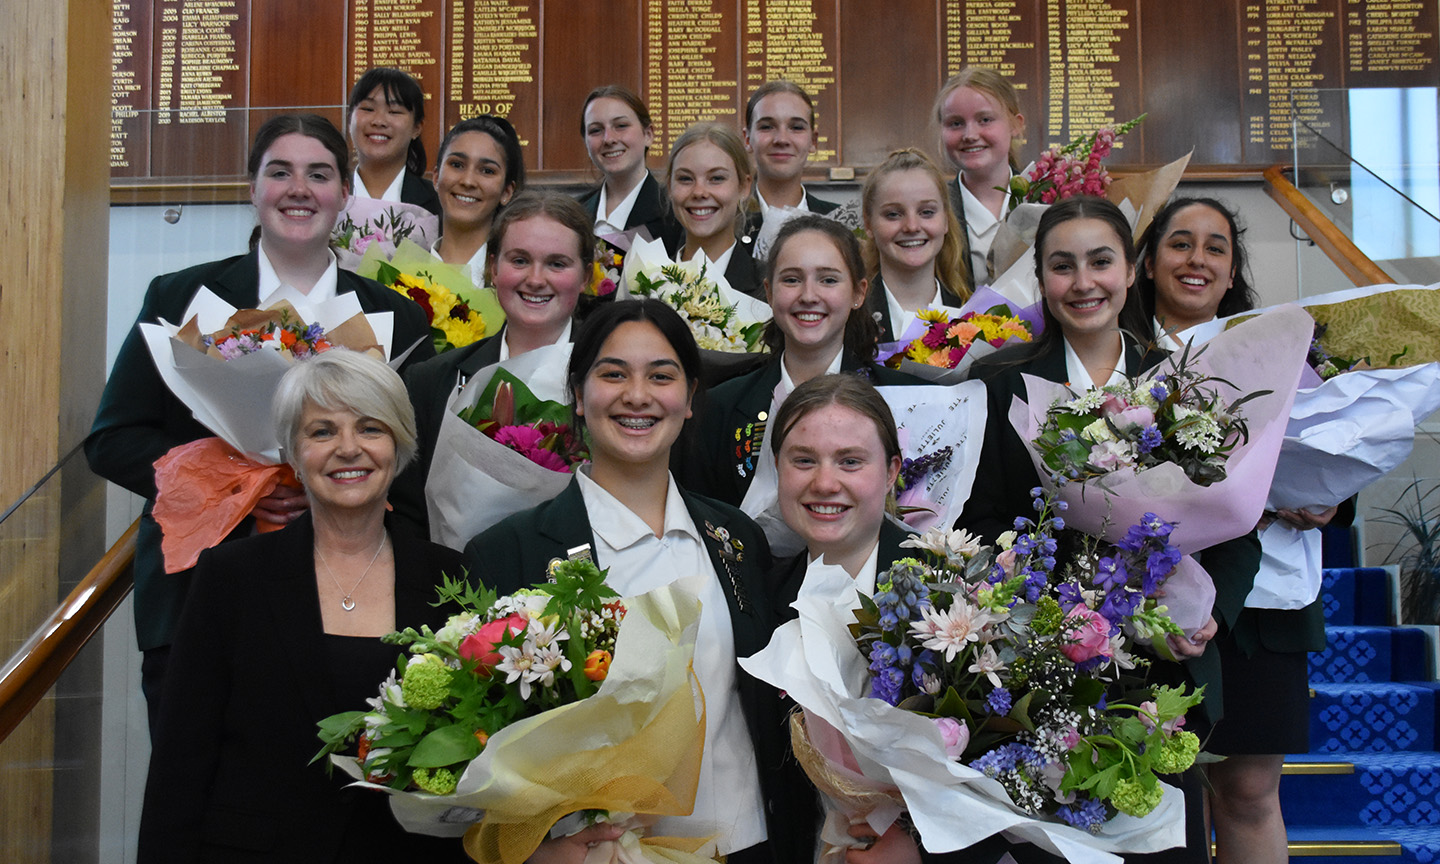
(193,78)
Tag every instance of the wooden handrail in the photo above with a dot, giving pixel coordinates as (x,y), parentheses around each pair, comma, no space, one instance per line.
(1356,265)
(30,673)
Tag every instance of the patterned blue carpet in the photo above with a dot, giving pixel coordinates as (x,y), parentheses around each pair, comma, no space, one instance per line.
(1374,707)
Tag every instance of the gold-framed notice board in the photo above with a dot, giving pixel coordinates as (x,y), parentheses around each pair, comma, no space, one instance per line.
(192,78)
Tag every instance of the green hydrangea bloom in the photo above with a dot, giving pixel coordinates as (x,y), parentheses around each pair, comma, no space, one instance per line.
(426,683)
(1048,616)
(436,781)
(1177,753)
(1132,797)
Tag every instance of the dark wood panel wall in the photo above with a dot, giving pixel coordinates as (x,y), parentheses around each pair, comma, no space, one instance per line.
(193,77)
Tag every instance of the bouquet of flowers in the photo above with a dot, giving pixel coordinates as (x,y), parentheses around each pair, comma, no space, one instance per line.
(604,272)
(525,709)
(370,222)
(459,313)
(721,318)
(940,347)
(1177,417)
(1166,443)
(224,364)
(997,692)
(504,444)
(1074,169)
(508,413)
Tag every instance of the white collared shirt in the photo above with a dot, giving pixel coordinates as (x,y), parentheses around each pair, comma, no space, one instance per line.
(901,319)
(981,225)
(615,222)
(505,339)
(787,384)
(392,192)
(1080,376)
(728,801)
(270,289)
(474,268)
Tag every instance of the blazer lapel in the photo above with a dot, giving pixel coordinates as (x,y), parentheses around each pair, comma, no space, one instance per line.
(647,204)
(736,572)
(239,284)
(566,524)
(294,604)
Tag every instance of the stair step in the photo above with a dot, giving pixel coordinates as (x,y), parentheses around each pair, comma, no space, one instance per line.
(1358,595)
(1319,844)
(1384,791)
(1358,654)
(1372,717)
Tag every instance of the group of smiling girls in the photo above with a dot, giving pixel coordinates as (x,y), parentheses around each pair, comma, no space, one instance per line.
(634,373)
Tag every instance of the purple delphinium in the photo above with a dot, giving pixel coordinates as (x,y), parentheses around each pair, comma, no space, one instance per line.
(1087,814)
(1150,438)
(999,701)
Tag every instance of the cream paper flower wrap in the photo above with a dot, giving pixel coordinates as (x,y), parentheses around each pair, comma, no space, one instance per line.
(634,747)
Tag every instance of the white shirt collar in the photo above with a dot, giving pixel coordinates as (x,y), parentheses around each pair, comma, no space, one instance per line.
(977,215)
(618,526)
(270,290)
(1080,376)
(392,192)
(616,221)
(505,339)
(1166,341)
(901,319)
(787,384)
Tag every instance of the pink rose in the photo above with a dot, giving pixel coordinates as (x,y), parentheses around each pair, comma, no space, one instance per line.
(1113,405)
(1135,415)
(1089,634)
(1006,561)
(480,646)
(954,733)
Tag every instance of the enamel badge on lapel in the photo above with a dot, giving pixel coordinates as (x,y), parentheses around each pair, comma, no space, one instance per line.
(748,441)
(732,552)
(578,553)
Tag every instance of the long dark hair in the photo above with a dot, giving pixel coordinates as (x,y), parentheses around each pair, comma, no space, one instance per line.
(862,334)
(399,88)
(504,134)
(1241,296)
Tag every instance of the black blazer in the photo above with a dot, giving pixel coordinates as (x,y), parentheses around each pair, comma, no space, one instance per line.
(139,419)
(415,189)
(957,202)
(650,212)
(879,306)
(517,552)
(430,385)
(755,218)
(731,428)
(247,681)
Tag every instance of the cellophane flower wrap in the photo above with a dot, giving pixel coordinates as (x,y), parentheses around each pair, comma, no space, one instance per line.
(1349,428)
(1376,362)
(940,345)
(1264,357)
(459,313)
(478,477)
(370,223)
(526,709)
(224,364)
(995,692)
(721,318)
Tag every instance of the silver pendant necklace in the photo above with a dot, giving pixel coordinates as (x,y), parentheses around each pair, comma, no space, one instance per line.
(347,602)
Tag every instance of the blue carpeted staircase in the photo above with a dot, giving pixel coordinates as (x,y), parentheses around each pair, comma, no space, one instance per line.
(1369,790)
